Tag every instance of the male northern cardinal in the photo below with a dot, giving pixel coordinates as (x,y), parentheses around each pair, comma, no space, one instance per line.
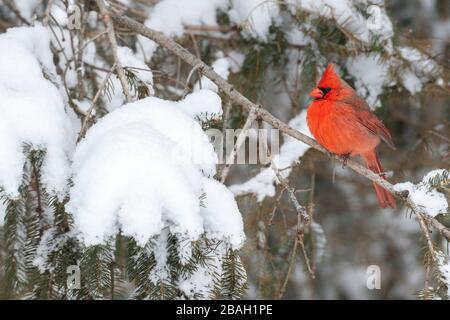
(342,123)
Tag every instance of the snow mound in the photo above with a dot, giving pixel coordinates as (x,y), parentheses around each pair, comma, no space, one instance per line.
(143,168)
(201,104)
(124,177)
(31,110)
(221,215)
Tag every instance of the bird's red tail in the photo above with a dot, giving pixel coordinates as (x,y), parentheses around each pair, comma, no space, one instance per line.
(384,197)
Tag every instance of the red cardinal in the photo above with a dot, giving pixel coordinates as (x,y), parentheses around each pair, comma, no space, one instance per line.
(342,122)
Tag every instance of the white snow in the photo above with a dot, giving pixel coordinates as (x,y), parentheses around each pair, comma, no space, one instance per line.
(160,272)
(254,16)
(27,7)
(297,37)
(201,104)
(202,280)
(422,64)
(377,27)
(50,242)
(441,30)
(443,264)
(31,110)
(170,17)
(58,12)
(445,271)
(421,69)
(343,11)
(236,60)
(411,82)
(2,213)
(379,23)
(143,168)
(222,67)
(370,76)
(83,105)
(262,185)
(221,215)
(430,200)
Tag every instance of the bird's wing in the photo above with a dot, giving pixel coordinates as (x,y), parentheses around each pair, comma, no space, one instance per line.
(366,118)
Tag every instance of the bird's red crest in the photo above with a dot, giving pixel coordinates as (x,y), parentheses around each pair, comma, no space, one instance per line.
(330,78)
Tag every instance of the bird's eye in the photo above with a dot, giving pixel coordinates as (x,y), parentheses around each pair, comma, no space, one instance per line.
(325,90)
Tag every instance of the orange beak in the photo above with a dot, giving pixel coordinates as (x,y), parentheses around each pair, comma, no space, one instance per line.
(316,93)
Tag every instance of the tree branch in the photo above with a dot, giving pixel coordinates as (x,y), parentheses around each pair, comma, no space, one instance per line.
(263,114)
(87,117)
(112,39)
(240,140)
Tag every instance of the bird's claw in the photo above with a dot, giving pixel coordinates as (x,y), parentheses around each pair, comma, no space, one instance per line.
(344,159)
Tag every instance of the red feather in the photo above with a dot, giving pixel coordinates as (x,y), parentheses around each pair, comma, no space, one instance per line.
(342,123)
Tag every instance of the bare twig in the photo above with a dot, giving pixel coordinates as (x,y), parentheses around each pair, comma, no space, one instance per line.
(301,211)
(274,208)
(239,141)
(303,222)
(113,41)
(92,106)
(11,6)
(289,271)
(197,52)
(188,80)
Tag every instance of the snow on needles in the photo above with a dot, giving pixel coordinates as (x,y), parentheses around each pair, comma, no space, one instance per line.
(371,75)
(343,11)
(129,61)
(171,17)
(430,200)
(255,16)
(31,110)
(145,167)
(200,104)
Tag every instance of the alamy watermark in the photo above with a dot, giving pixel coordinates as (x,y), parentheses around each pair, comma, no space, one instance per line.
(375,19)
(258,145)
(373,280)
(73,277)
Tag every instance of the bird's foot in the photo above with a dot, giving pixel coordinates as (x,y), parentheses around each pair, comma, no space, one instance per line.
(331,155)
(344,159)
